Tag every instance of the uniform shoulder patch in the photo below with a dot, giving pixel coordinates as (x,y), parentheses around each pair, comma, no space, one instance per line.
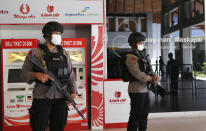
(134,60)
(29,53)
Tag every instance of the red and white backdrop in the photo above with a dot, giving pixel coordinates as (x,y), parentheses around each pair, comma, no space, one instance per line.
(42,11)
(97,65)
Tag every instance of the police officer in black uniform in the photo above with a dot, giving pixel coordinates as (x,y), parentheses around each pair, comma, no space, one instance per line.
(56,60)
(137,88)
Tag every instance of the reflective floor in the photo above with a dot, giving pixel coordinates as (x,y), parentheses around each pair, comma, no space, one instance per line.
(180,124)
(191,97)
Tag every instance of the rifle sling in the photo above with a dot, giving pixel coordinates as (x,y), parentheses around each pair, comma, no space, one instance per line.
(41,52)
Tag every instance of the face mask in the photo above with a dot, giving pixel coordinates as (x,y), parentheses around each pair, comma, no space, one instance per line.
(56,39)
(140,47)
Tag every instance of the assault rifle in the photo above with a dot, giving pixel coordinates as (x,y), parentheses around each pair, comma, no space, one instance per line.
(57,85)
(149,69)
(156,89)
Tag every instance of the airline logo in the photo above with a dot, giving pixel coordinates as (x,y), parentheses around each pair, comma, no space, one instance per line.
(117,98)
(24,9)
(50,12)
(117,94)
(85,9)
(17,106)
(50,8)
(85,12)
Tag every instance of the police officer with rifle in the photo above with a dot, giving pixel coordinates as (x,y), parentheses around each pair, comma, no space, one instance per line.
(53,58)
(135,73)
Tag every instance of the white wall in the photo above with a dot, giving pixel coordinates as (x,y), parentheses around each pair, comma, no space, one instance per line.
(34,31)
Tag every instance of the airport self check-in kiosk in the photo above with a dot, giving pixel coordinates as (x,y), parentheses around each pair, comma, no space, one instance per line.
(16,94)
(76,48)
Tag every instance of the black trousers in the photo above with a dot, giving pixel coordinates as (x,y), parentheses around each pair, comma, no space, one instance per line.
(139,111)
(174,84)
(44,110)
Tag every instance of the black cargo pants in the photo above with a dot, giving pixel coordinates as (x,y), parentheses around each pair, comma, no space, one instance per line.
(44,110)
(139,111)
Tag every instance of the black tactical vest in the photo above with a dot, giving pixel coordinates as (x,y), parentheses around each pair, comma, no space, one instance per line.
(56,63)
(126,76)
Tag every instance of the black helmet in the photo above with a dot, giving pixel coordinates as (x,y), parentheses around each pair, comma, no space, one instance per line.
(135,37)
(170,55)
(50,27)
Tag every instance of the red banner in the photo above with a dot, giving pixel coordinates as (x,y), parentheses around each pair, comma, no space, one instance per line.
(73,42)
(19,43)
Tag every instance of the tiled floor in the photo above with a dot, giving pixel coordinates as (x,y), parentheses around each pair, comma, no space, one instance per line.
(172,124)
(177,124)
(188,99)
